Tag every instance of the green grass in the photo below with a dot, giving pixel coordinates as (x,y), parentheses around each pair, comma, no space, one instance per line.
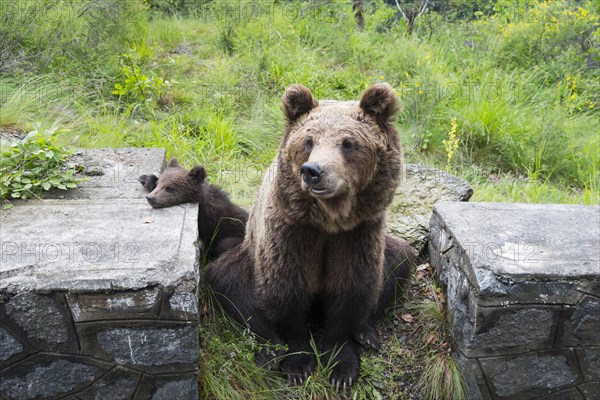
(522,86)
(520,111)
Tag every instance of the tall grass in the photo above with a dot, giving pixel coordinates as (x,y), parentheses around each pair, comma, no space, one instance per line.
(39,99)
(519,82)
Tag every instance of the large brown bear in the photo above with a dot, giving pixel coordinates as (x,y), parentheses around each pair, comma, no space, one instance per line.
(221,223)
(315,240)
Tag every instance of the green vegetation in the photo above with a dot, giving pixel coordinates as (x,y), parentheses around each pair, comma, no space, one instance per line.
(34,164)
(516,84)
(504,94)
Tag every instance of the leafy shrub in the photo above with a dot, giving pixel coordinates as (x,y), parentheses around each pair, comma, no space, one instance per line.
(33,165)
(547,31)
(138,87)
(140,83)
(177,7)
(54,36)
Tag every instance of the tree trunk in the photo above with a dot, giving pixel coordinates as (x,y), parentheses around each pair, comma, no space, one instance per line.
(357,7)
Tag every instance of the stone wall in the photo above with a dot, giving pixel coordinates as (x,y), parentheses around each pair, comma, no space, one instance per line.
(98,291)
(138,344)
(523,290)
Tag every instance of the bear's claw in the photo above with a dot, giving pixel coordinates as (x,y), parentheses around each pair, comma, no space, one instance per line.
(298,367)
(345,384)
(368,338)
(346,367)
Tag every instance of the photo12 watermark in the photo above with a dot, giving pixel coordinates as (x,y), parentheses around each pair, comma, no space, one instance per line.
(79,253)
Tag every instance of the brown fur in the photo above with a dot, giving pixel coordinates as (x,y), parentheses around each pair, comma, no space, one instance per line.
(315,238)
(221,223)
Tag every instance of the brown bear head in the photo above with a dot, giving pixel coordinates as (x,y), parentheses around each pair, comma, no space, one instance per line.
(342,156)
(177,185)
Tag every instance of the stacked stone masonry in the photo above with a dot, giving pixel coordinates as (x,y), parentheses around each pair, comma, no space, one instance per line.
(523,290)
(98,293)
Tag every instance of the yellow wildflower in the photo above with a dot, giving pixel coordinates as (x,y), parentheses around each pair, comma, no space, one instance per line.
(451,144)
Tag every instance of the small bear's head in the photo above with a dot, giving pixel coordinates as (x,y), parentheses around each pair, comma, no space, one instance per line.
(335,150)
(177,185)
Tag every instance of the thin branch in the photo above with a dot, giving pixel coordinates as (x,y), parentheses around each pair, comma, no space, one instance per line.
(423,8)
(400,8)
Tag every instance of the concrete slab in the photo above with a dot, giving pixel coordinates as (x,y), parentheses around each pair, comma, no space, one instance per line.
(111,173)
(80,246)
(517,241)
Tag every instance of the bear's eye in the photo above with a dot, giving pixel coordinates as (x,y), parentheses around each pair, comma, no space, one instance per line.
(308,144)
(348,145)
(170,189)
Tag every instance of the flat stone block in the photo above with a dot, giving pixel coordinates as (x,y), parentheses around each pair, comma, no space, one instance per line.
(119,384)
(580,325)
(168,388)
(181,305)
(10,345)
(48,376)
(151,347)
(41,320)
(94,246)
(530,375)
(509,330)
(516,242)
(98,306)
(111,173)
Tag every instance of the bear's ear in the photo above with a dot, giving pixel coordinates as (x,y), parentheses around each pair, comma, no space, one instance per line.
(380,101)
(173,162)
(297,101)
(198,174)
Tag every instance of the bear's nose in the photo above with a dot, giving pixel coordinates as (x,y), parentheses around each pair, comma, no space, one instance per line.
(150,198)
(311,173)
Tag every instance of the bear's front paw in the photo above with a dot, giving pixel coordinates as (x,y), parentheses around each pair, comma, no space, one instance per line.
(148,182)
(298,367)
(345,372)
(368,337)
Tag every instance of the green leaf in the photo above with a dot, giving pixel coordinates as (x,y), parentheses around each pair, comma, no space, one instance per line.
(46,185)
(7,205)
